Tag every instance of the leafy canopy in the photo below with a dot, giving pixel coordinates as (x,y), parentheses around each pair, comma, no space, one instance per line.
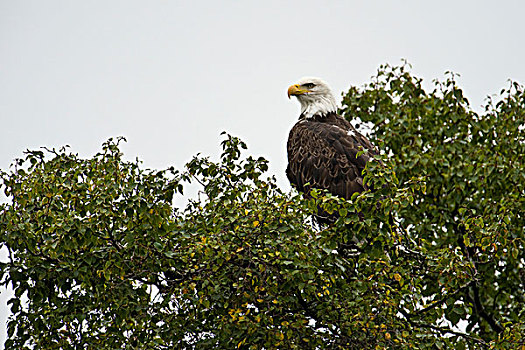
(432,258)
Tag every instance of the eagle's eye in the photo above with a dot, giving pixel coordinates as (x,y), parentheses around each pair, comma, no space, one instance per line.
(309,85)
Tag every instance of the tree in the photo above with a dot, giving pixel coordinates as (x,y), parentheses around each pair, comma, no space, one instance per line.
(98,258)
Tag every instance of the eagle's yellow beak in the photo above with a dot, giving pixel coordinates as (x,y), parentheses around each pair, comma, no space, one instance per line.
(295,90)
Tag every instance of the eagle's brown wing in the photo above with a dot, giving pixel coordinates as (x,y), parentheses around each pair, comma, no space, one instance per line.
(324,156)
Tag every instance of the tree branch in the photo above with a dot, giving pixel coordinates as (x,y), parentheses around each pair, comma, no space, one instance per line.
(442,330)
(442,300)
(480,310)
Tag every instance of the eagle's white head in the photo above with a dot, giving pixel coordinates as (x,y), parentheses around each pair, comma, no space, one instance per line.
(314,95)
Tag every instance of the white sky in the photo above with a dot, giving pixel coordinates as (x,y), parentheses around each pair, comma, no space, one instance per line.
(171,75)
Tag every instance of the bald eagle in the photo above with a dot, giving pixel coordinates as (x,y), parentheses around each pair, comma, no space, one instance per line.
(322,146)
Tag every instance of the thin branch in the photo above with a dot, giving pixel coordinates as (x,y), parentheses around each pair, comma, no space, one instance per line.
(442,330)
(476,300)
(444,299)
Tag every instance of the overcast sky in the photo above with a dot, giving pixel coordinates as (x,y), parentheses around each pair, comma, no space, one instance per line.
(171,75)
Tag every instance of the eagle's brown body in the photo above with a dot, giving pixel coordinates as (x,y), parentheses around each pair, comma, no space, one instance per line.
(322,153)
(323,147)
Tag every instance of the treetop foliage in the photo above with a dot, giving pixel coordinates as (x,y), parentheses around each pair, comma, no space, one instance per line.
(432,258)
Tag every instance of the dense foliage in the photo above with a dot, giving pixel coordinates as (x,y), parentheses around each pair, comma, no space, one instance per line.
(432,258)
